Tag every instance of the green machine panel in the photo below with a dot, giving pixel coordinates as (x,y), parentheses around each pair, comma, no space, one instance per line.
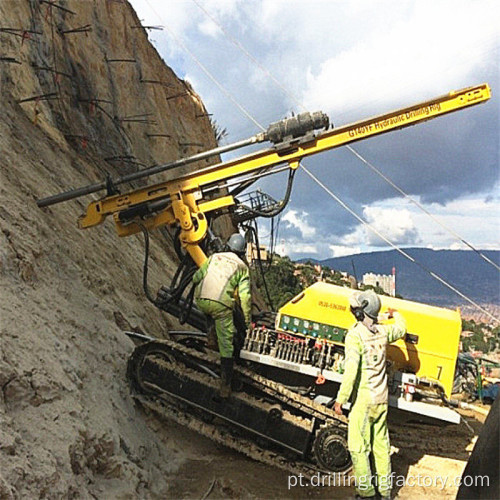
(312,329)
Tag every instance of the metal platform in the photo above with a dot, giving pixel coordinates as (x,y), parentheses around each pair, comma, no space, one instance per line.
(437,412)
(251,202)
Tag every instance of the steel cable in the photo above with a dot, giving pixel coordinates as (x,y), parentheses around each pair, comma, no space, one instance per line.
(247,114)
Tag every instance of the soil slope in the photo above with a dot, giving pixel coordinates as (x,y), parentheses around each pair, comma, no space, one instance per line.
(68,426)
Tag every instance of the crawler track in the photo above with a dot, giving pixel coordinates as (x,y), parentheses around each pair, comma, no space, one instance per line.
(263,420)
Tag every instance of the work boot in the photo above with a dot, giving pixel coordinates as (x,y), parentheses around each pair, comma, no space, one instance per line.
(226,377)
(212,343)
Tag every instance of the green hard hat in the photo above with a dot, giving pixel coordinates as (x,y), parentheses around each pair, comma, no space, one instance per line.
(369,301)
(236,243)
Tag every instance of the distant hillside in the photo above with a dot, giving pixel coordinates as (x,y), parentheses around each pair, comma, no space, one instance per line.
(463,269)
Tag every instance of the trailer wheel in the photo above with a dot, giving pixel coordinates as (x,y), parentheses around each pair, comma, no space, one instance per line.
(330,449)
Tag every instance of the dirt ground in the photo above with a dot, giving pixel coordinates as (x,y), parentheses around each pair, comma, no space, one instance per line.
(430,457)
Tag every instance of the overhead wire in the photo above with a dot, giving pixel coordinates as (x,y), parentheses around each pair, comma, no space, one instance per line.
(207,72)
(336,198)
(239,46)
(421,207)
(255,233)
(390,243)
(297,101)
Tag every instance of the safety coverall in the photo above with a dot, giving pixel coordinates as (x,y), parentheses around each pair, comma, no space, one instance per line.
(220,279)
(365,378)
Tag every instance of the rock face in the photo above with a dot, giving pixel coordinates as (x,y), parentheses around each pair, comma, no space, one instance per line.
(70,114)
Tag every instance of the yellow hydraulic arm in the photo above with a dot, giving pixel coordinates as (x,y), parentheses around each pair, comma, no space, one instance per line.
(183,201)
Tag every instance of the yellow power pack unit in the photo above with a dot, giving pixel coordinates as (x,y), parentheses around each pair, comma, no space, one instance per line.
(429,349)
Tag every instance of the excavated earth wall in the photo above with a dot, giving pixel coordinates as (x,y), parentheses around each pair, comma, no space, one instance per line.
(68,427)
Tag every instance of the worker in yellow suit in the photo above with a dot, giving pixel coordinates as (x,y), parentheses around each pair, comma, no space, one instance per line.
(221,282)
(365,379)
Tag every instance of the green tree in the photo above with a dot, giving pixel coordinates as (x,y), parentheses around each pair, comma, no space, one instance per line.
(281,281)
(376,289)
(478,341)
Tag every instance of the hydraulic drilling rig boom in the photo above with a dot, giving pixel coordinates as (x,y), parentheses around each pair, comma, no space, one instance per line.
(184,202)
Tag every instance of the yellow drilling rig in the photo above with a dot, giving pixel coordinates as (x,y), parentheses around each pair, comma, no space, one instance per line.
(270,417)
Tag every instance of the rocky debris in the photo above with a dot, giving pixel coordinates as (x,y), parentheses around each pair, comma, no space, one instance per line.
(96,455)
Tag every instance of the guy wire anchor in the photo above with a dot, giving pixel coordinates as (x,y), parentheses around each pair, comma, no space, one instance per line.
(147,27)
(141,118)
(42,97)
(176,95)
(125,159)
(81,29)
(36,99)
(21,33)
(119,60)
(9,60)
(96,99)
(94,102)
(52,3)
(51,70)
(158,135)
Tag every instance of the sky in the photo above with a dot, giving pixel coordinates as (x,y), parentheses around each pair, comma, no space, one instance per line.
(353,59)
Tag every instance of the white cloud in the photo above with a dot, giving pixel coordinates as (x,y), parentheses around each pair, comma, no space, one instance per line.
(298,220)
(413,57)
(395,224)
(341,250)
(473,218)
(209,28)
(298,248)
(466,218)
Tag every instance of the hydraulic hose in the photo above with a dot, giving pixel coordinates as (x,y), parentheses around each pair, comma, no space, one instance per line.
(146,261)
(283,203)
(259,260)
(177,292)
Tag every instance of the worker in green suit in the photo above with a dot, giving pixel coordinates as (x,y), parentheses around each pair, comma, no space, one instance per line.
(365,379)
(223,282)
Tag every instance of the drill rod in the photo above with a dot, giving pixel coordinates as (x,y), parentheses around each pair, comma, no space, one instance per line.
(156,169)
